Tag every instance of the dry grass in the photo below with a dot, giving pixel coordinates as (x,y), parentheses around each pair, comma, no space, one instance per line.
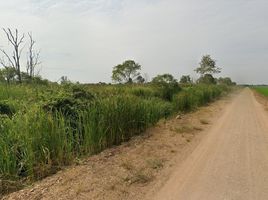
(155,163)
(183,129)
(139,176)
(204,121)
(127,165)
(197,128)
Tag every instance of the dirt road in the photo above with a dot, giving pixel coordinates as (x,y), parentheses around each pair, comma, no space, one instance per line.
(231,162)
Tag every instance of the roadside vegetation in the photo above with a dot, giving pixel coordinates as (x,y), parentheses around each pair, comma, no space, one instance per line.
(262,90)
(45,126)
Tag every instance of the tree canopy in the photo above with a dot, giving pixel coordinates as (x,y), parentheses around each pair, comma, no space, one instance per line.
(226,81)
(7,74)
(167,84)
(185,79)
(126,72)
(207,79)
(207,66)
(164,79)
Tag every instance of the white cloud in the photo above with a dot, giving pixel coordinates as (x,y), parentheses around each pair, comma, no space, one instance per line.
(84,39)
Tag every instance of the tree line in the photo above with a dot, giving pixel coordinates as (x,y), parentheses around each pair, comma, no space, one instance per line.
(129,72)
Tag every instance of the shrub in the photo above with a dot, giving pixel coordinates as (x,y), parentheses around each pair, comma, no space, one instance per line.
(6,109)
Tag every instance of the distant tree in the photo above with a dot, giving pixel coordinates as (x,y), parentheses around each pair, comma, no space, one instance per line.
(14,59)
(37,79)
(140,79)
(164,79)
(126,72)
(207,66)
(185,79)
(33,58)
(8,74)
(64,80)
(207,79)
(167,85)
(226,81)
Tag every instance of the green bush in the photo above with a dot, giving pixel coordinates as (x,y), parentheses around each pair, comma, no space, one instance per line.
(6,109)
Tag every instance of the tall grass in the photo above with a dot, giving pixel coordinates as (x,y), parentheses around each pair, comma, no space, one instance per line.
(193,97)
(35,142)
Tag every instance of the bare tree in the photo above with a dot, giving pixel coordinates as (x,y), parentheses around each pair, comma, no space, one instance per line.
(14,60)
(33,57)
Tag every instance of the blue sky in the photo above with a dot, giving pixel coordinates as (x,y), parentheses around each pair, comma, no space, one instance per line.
(84,39)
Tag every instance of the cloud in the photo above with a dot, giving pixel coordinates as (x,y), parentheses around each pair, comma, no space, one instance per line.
(84,39)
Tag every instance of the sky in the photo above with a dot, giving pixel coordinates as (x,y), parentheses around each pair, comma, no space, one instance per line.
(85,39)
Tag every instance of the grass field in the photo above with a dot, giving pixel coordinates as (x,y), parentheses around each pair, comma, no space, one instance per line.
(262,89)
(43,128)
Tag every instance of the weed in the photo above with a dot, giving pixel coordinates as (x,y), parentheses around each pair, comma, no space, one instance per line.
(127,165)
(155,163)
(184,129)
(197,128)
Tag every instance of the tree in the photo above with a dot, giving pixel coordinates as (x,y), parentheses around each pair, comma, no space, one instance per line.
(64,80)
(8,74)
(33,58)
(14,60)
(226,81)
(167,84)
(140,79)
(126,72)
(207,66)
(164,79)
(185,79)
(207,79)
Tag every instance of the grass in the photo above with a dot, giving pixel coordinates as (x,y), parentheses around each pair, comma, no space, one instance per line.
(204,121)
(155,163)
(183,129)
(127,165)
(197,128)
(139,176)
(43,128)
(262,89)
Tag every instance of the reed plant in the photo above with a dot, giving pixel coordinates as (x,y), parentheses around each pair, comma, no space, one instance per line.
(35,142)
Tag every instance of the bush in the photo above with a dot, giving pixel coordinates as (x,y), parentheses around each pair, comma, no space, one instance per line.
(6,109)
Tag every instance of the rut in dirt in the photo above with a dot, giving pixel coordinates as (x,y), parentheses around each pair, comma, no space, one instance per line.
(232,160)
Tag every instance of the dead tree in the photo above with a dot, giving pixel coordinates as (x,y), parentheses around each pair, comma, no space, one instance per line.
(14,60)
(33,57)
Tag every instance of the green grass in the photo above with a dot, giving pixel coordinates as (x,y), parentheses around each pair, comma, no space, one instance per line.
(262,89)
(43,128)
